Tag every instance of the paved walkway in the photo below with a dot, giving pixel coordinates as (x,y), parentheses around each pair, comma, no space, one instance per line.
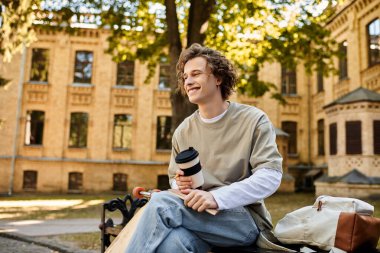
(27,236)
(49,227)
(15,246)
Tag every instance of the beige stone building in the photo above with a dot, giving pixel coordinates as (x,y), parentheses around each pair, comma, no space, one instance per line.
(75,121)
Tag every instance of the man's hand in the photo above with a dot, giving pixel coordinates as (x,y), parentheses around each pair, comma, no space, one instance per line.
(183,183)
(200,200)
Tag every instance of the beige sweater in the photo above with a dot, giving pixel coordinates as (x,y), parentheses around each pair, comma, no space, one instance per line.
(230,149)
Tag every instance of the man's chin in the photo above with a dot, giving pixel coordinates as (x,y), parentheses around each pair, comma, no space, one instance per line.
(193,100)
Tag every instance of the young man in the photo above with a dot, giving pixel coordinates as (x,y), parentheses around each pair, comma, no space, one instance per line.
(240,163)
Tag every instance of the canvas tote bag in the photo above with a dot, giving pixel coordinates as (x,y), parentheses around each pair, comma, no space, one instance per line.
(332,222)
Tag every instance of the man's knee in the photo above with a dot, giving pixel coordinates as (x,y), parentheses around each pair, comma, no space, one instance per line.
(164,197)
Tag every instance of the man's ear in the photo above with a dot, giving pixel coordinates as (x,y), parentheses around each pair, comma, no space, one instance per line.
(218,81)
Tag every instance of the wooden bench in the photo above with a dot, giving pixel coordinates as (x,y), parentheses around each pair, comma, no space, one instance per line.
(128,206)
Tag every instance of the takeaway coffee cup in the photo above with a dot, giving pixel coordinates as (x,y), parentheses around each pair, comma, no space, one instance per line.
(188,162)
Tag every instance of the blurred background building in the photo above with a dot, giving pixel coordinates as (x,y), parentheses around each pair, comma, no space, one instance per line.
(76,121)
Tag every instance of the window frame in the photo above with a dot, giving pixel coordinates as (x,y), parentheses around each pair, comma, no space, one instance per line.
(124,73)
(129,123)
(292,147)
(343,61)
(354,140)
(36,126)
(321,137)
(75,186)
(116,185)
(44,63)
(77,143)
(33,184)
(370,61)
(288,88)
(333,138)
(163,143)
(376,137)
(320,82)
(81,69)
(164,74)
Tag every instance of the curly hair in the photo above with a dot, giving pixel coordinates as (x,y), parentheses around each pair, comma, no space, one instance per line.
(220,67)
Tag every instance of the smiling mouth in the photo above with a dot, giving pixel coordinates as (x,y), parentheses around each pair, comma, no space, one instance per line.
(193,89)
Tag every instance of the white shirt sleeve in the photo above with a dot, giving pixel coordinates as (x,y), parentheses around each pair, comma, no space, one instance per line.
(260,185)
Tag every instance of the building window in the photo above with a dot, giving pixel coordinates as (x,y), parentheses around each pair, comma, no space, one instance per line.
(76,181)
(78,130)
(164,73)
(125,73)
(321,137)
(320,81)
(120,182)
(83,66)
(164,135)
(288,81)
(34,127)
(343,65)
(373,33)
(163,182)
(29,180)
(40,65)
(290,127)
(333,139)
(122,131)
(353,137)
(376,137)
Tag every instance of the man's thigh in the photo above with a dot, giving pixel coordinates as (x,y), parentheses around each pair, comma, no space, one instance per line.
(230,227)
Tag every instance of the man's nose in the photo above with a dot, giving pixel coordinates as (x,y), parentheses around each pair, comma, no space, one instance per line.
(189,81)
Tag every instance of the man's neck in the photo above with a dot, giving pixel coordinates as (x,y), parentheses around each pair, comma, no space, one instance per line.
(211,110)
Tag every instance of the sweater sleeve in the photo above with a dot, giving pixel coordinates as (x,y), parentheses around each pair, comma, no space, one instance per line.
(258,186)
(264,152)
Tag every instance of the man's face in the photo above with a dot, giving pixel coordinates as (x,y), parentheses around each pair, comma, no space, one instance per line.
(199,82)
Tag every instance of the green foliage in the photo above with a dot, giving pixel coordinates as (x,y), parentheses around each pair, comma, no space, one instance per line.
(249,32)
(16,26)
(289,32)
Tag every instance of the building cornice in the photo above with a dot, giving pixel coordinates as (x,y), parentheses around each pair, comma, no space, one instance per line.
(76,160)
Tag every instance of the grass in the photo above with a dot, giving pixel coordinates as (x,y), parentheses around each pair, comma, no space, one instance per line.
(89,206)
(25,207)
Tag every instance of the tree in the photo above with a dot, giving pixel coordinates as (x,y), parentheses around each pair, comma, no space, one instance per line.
(249,32)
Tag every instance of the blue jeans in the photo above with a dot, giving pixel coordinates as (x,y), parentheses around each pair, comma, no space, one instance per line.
(168,226)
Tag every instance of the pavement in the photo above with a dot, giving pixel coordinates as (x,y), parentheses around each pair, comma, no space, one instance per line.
(49,227)
(27,236)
